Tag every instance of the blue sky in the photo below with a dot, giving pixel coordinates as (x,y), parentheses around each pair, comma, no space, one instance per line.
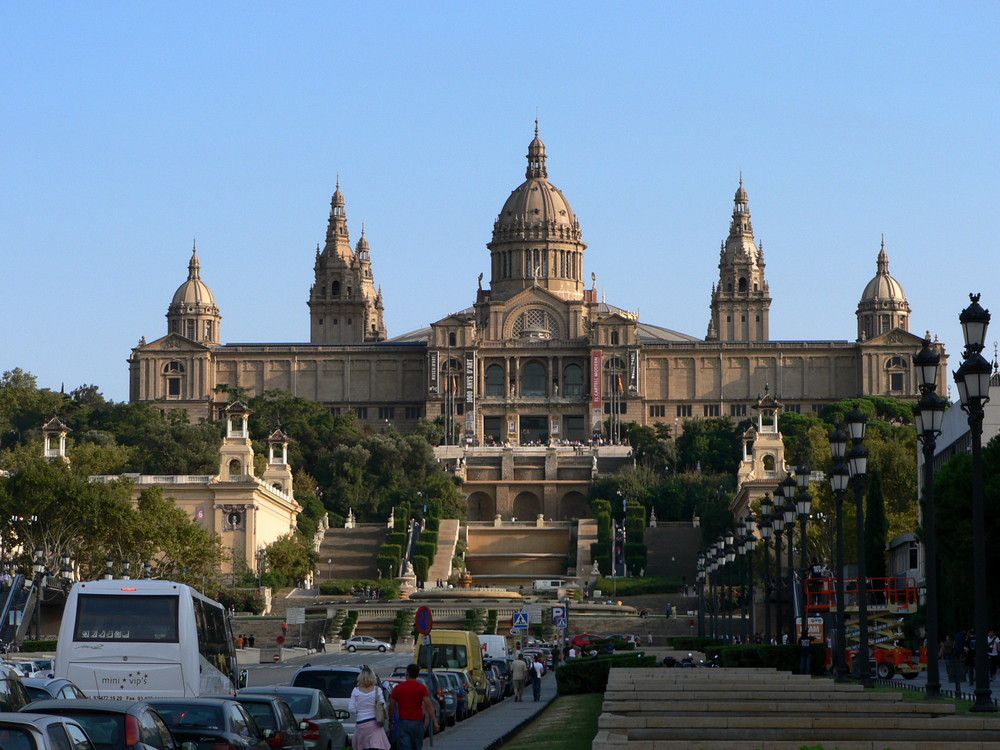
(129,129)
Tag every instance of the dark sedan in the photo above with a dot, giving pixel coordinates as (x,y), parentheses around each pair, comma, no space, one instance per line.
(276,720)
(320,722)
(210,723)
(115,725)
(27,731)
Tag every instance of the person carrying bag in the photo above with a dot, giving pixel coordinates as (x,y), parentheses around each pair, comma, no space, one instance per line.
(368,703)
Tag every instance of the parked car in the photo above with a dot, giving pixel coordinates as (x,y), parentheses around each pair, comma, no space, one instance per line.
(41,732)
(626,637)
(494,686)
(43,688)
(468,689)
(275,719)
(583,640)
(366,643)
(503,666)
(13,695)
(321,724)
(210,722)
(336,684)
(444,698)
(116,725)
(450,683)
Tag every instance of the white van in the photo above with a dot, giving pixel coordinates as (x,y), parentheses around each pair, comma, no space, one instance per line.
(547,585)
(494,646)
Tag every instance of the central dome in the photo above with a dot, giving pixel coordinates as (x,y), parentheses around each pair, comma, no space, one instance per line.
(536,209)
(194,291)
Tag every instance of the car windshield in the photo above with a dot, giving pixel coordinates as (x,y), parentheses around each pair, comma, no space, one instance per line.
(300,703)
(15,738)
(104,729)
(261,713)
(334,683)
(36,694)
(184,715)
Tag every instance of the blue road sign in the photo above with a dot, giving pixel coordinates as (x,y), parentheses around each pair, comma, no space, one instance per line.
(520,619)
(559,613)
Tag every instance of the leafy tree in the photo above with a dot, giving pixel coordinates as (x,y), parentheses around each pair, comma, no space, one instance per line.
(292,556)
(710,445)
(876,527)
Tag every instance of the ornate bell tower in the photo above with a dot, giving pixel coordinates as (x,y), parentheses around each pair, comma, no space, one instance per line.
(740,302)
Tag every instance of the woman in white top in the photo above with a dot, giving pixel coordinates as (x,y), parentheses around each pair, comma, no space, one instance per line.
(368,735)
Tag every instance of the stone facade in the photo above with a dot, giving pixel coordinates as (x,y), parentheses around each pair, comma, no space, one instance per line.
(538,358)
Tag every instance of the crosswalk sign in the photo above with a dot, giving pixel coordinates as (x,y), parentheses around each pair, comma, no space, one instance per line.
(558,613)
(561,622)
(521,620)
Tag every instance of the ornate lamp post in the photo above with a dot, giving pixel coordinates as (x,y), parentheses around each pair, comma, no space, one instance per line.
(789,510)
(973,381)
(766,530)
(109,568)
(700,580)
(803,504)
(839,479)
(929,416)
(750,545)
(778,524)
(857,462)
(740,545)
(38,569)
(730,556)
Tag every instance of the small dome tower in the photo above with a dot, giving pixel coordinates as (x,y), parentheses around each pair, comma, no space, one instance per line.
(883,304)
(193,312)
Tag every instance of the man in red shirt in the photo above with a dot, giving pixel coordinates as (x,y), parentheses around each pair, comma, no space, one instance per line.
(413,702)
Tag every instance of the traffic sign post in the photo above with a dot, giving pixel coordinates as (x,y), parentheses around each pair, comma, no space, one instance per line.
(424,620)
(520,620)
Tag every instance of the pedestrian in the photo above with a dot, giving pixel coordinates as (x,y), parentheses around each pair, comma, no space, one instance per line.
(518,673)
(572,652)
(322,644)
(805,653)
(992,643)
(239,641)
(413,702)
(536,679)
(368,733)
(649,638)
(970,656)
(250,640)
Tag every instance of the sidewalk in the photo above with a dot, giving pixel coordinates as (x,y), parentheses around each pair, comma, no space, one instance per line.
(489,727)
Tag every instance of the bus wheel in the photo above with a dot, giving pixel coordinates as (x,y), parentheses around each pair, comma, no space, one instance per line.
(884,671)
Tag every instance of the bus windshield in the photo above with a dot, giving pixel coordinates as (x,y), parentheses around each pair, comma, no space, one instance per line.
(126,619)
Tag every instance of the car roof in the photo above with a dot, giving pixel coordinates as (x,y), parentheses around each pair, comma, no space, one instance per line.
(278,690)
(86,704)
(46,681)
(192,700)
(330,668)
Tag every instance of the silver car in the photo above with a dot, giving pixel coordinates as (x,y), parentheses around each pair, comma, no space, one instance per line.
(366,643)
(319,721)
(41,731)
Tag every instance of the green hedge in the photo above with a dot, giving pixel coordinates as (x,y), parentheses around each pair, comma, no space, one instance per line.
(339,586)
(429,537)
(635,555)
(590,674)
(349,622)
(640,585)
(784,658)
(387,566)
(35,646)
(433,523)
(395,537)
(403,624)
(604,526)
(425,549)
(420,566)
(695,643)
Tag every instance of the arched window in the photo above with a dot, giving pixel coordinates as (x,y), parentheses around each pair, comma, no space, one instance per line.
(189,329)
(743,284)
(533,380)
(769,462)
(174,372)
(452,339)
(335,288)
(235,468)
(572,381)
(896,371)
(614,338)
(494,381)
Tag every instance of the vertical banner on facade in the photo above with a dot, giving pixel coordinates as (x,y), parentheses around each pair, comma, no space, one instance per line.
(596,379)
(432,376)
(633,371)
(596,391)
(470,396)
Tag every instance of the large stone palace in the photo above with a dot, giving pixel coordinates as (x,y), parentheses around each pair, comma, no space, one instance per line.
(538,358)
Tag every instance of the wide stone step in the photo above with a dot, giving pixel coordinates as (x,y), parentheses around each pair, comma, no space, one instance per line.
(771,721)
(604,741)
(630,708)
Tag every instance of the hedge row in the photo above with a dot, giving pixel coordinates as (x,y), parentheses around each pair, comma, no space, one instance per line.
(643,585)
(339,586)
(590,674)
(347,629)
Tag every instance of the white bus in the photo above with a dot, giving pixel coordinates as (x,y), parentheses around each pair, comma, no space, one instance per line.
(137,639)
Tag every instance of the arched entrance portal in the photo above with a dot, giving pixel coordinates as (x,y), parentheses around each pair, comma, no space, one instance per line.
(527,506)
(481,507)
(574,505)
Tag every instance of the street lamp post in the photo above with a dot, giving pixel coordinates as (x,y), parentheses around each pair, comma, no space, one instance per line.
(766,530)
(730,557)
(751,545)
(803,504)
(778,524)
(973,381)
(741,553)
(839,479)
(857,460)
(789,512)
(38,568)
(700,580)
(929,416)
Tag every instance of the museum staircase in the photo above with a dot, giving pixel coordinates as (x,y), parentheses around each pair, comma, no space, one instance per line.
(353,552)
(672,550)
(447,540)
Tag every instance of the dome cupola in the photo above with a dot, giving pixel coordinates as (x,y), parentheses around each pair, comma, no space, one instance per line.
(883,304)
(193,312)
(536,237)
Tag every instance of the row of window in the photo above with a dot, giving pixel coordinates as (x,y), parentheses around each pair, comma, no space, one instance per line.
(384,412)
(659,411)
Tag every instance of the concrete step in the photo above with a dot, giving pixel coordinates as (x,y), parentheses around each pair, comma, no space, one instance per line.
(440,568)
